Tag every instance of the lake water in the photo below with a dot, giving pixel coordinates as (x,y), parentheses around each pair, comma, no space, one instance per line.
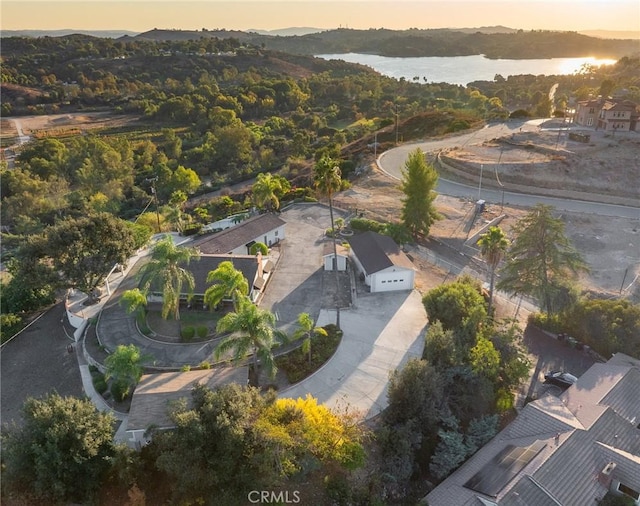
(464,69)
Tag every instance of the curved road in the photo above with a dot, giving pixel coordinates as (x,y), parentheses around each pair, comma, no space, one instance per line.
(393,161)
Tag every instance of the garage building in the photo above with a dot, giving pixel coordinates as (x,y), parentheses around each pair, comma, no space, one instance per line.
(384,265)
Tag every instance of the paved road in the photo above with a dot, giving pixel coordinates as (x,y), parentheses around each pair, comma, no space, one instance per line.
(37,362)
(393,161)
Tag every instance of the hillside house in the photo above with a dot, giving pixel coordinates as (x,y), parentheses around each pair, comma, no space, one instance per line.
(569,450)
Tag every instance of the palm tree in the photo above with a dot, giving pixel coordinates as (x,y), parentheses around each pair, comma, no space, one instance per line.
(327,179)
(252,331)
(268,189)
(228,282)
(125,365)
(165,269)
(306,330)
(493,246)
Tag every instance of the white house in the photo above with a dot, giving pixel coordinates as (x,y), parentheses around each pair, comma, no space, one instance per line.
(327,256)
(384,265)
(265,228)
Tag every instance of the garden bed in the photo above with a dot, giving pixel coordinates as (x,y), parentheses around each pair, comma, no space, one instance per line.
(296,364)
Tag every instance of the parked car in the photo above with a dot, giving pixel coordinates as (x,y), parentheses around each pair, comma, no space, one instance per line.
(560,378)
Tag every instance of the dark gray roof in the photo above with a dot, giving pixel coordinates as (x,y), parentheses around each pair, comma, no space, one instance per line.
(154,394)
(596,422)
(571,473)
(200,269)
(528,491)
(249,230)
(377,252)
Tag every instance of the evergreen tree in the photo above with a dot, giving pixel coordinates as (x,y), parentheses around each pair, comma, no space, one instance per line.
(419,180)
(541,260)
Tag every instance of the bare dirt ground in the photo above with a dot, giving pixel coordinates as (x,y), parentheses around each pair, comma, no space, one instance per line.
(607,165)
(59,123)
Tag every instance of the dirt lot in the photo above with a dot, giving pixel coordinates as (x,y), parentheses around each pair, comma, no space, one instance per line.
(608,164)
(61,123)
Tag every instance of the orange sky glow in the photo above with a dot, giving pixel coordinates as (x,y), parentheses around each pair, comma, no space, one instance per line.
(143,15)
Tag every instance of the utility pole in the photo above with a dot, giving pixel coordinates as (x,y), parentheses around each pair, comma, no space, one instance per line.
(396,104)
(480,183)
(155,197)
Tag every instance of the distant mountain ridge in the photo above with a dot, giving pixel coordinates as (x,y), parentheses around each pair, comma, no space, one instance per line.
(106,34)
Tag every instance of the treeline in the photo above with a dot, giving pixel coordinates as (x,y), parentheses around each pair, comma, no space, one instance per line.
(414,42)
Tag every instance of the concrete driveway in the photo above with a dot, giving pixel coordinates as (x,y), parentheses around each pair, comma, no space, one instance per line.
(379,336)
(298,283)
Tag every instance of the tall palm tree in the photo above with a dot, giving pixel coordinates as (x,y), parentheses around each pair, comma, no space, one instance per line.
(493,246)
(327,179)
(165,270)
(252,331)
(228,282)
(306,330)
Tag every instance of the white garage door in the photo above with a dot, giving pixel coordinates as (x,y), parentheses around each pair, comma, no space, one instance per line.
(387,282)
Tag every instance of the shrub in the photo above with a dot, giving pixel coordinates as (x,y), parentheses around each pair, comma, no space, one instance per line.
(192,229)
(185,368)
(120,390)
(295,364)
(364,225)
(205,365)
(202,331)
(100,384)
(504,401)
(519,113)
(187,333)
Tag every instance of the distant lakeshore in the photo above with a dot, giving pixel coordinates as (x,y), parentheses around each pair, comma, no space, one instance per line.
(464,69)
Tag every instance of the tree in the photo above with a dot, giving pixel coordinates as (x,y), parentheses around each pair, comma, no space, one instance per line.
(454,303)
(84,250)
(227,282)
(252,331)
(217,449)
(419,180)
(493,245)
(306,330)
(63,450)
(304,428)
(125,366)
(541,260)
(327,180)
(449,454)
(268,190)
(165,273)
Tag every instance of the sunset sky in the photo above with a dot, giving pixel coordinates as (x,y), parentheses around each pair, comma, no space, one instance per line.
(143,15)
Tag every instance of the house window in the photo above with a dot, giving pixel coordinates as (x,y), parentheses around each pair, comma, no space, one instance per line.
(628,491)
(589,121)
(276,233)
(592,110)
(383,281)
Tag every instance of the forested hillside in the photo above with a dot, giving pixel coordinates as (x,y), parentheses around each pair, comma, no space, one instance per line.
(519,44)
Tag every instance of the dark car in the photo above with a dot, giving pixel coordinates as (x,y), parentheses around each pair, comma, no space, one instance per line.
(560,378)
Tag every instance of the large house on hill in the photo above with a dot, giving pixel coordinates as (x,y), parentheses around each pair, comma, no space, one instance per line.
(609,114)
(569,450)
